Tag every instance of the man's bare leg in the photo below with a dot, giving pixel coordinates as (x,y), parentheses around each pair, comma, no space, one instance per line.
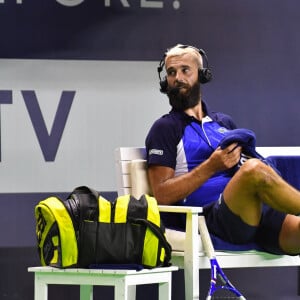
(289,237)
(256,183)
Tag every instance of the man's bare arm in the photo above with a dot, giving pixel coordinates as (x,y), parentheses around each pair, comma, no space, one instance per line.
(169,189)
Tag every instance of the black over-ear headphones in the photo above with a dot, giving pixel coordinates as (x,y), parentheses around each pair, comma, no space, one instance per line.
(204,74)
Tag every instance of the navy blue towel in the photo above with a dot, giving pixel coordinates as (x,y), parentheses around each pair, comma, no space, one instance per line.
(247,140)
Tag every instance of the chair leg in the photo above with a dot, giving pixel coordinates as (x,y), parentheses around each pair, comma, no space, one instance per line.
(40,289)
(123,291)
(86,292)
(191,258)
(164,290)
(191,288)
(131,290)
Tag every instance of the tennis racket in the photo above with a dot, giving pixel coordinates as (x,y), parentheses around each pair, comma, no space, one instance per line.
(220,286)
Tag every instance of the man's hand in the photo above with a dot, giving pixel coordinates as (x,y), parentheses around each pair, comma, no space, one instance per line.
(223,159)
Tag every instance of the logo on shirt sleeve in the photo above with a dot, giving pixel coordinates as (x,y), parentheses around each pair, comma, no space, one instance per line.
(156,152)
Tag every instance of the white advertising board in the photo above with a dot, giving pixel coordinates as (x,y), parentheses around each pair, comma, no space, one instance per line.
(62,120)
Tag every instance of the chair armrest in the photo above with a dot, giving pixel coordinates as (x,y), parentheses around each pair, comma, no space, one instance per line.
(191,212)
(180,209)
(191,243)
(191,229)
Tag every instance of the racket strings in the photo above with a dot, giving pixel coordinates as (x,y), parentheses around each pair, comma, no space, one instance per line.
(222,289)
(224,294)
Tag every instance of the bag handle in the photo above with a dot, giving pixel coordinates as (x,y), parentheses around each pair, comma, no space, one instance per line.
(158,232)
(88,202)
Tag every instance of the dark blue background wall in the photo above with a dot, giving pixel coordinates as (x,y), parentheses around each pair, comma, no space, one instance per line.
(253,48)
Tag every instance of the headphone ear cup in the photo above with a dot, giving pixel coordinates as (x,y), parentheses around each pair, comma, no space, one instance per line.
(163,86)
(205,75)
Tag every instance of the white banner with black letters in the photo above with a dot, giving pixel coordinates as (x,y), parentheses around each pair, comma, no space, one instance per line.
(62,120)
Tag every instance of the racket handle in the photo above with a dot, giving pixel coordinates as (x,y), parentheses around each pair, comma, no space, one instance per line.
(205,237)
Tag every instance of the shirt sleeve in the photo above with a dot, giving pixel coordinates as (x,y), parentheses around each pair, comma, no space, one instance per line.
(162,141)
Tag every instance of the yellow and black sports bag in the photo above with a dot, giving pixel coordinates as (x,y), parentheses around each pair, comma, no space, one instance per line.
(86,230)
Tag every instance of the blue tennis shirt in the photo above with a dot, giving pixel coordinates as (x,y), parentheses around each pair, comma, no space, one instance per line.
(181,142)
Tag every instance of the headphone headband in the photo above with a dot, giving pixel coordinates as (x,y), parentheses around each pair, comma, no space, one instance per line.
(204,74)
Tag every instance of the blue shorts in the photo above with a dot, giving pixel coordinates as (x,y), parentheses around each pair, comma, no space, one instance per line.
(223,223)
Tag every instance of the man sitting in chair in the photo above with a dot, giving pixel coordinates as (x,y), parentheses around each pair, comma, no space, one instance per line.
(197,157)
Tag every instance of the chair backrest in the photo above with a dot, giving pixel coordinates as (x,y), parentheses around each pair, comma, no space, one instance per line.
(131,171)
(131,167)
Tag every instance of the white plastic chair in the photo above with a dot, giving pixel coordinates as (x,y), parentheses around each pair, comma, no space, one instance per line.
(187,251)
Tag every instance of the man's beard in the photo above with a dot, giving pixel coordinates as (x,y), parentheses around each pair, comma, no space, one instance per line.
(180,101)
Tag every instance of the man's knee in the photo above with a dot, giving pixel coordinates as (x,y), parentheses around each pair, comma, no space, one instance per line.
(252,166)
(257,171)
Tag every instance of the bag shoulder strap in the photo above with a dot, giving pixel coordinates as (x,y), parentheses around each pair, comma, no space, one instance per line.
(157,231)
